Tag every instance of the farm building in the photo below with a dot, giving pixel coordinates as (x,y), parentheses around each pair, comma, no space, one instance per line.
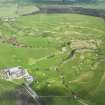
(15,73)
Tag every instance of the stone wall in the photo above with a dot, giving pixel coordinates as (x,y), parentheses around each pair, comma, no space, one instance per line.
(78,10)
(64,9)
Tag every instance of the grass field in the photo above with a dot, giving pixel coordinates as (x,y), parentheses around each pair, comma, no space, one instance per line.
(43,43)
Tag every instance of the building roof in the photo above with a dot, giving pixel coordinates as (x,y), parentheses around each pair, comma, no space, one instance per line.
(14,69)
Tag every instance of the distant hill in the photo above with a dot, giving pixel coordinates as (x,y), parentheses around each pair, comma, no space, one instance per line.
(64,1)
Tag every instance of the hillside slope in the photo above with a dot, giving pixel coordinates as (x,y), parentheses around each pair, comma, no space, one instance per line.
(65,52)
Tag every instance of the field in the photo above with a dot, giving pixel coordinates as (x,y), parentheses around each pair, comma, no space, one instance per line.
(65,52)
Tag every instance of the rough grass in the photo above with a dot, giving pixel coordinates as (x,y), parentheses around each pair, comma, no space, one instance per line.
(43,37)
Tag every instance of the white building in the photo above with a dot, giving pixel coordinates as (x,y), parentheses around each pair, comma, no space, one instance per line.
(15,73)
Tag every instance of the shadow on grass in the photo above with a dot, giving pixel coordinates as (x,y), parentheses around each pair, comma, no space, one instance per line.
(7,96)
(49,93)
